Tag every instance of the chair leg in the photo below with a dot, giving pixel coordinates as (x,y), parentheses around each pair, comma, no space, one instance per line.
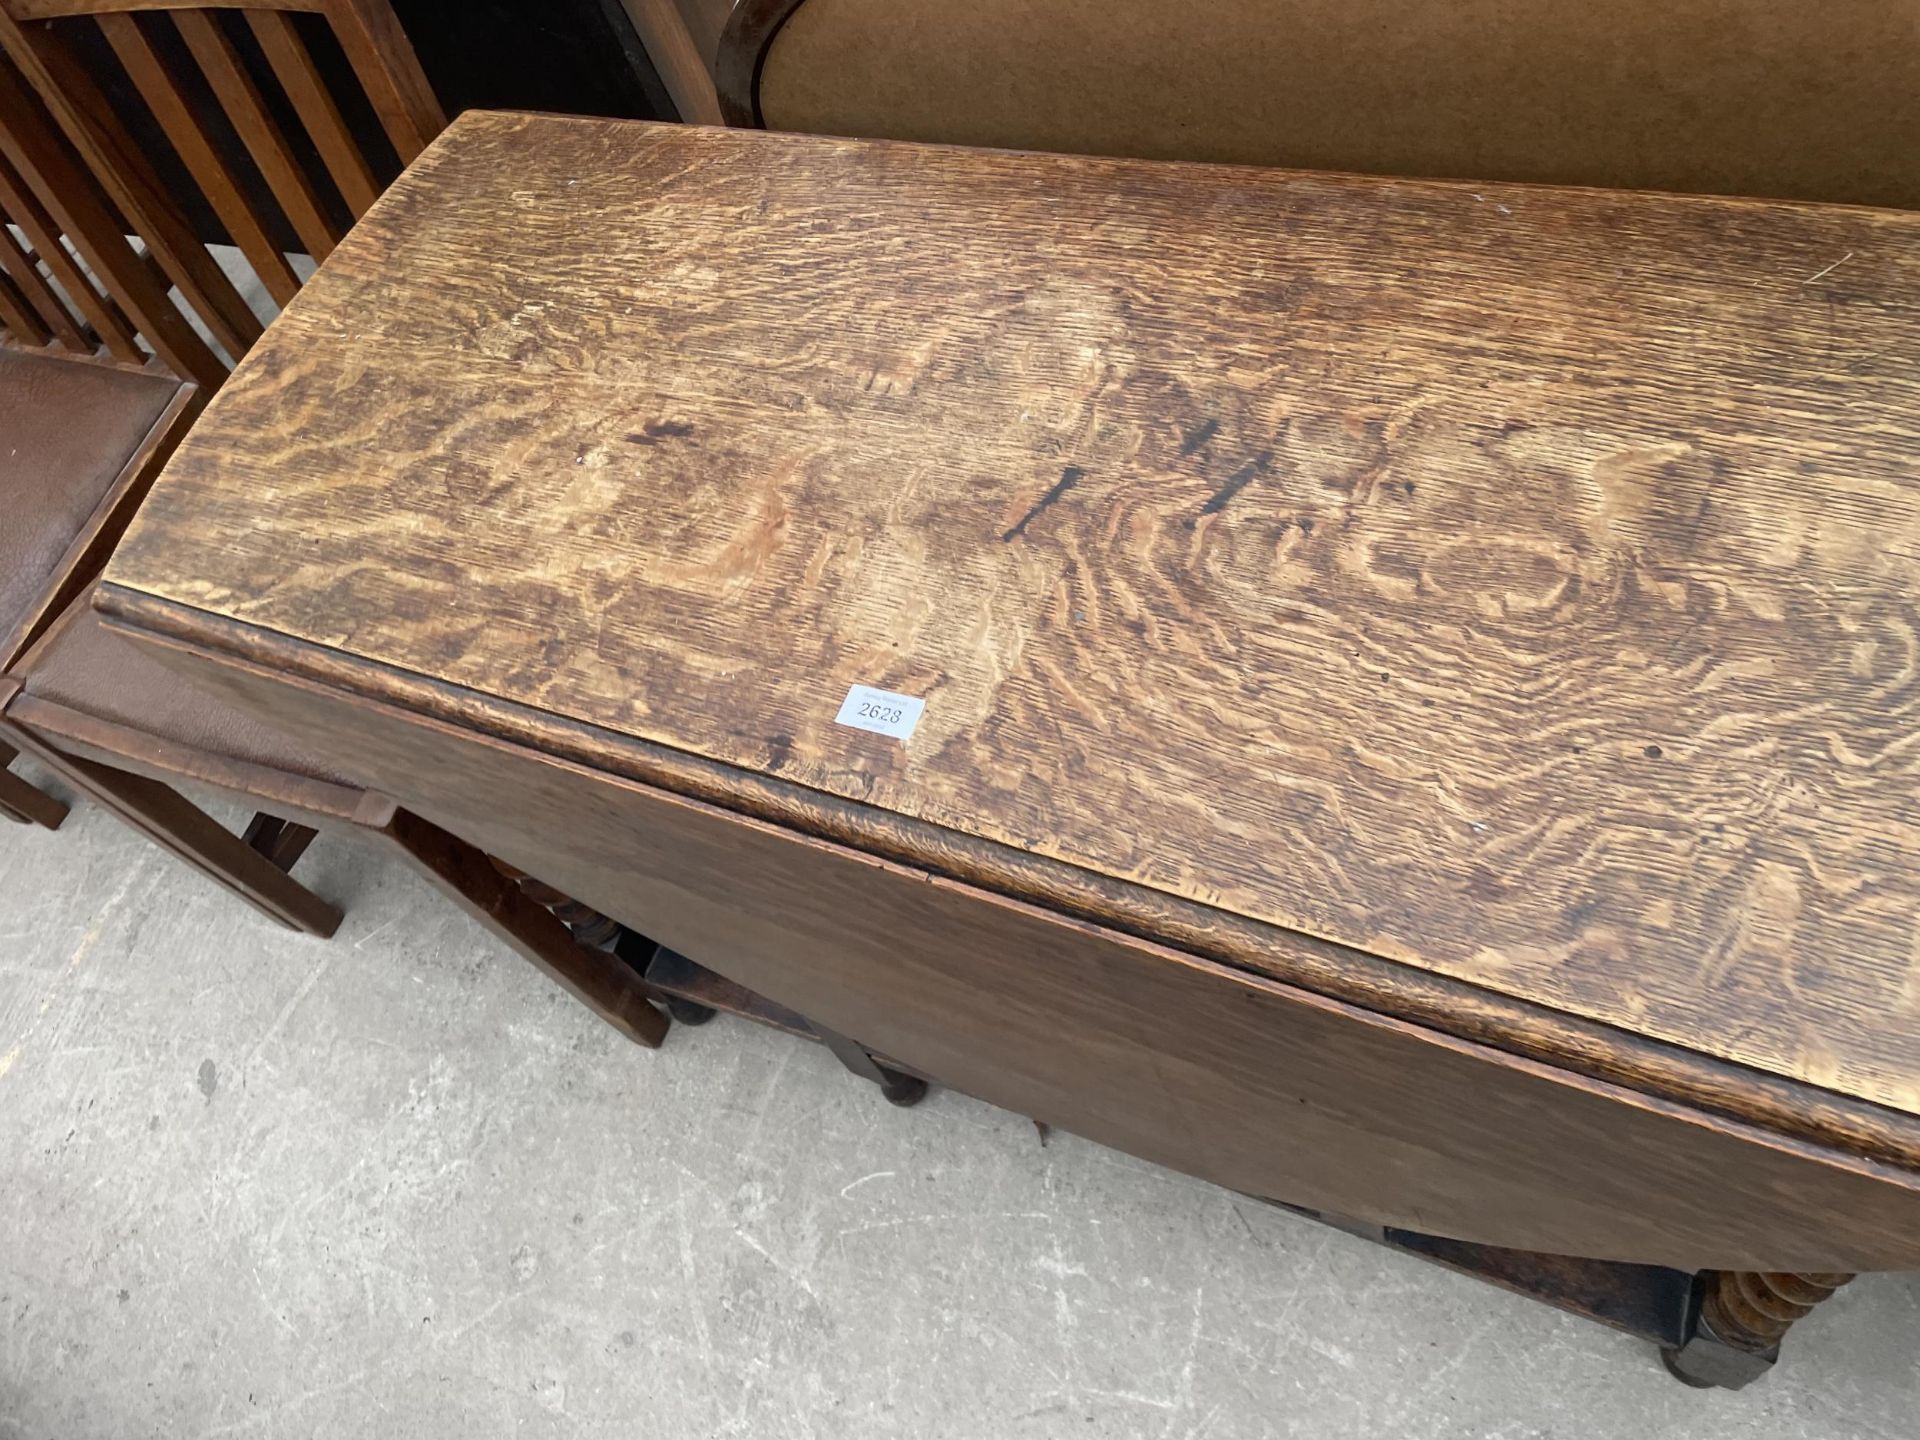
(176,824)
(1742,1317)
(599,979)
(281,841)
(589,926)
(26,804)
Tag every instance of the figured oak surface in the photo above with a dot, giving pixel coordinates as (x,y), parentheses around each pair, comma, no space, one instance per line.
(1513,583)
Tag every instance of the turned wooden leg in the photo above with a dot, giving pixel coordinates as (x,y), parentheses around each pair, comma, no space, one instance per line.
(1743,1317)
(602,932)
(599,979)
(899,1089)
(588,925)
(23,803)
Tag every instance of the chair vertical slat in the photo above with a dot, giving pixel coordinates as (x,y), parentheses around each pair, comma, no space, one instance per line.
(389,72)
(21,269)
(57,179)
(43,232)
(84,114)
(294,68)
(121,321)
(240,97)
(198,153)
(256,209)
(17,316)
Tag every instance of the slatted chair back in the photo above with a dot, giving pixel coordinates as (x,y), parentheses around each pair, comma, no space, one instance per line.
(71,279)
(282,120)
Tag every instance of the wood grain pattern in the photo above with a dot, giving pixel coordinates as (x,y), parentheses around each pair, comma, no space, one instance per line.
(1762,97)
(1511,583)
(1231,1076)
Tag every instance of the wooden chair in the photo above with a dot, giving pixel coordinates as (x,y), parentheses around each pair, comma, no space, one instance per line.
(1764,97)
(681,38)
(253,103)
(99,376)
(98,379)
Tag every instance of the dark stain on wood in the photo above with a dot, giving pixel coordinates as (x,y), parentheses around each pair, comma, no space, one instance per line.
(1242,478)
(1199,436)
(1069,477)
(657,430)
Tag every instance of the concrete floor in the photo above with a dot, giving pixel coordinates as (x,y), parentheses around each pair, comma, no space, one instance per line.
(398,1185)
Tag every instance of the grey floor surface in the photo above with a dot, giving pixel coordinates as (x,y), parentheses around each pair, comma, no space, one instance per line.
(398,1185)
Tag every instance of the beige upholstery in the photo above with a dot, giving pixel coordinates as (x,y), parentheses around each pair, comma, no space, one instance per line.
(1762,97)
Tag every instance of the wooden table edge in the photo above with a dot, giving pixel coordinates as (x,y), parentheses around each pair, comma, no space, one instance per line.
(1792,1110)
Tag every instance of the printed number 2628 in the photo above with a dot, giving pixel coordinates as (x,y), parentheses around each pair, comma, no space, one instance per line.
(884,714)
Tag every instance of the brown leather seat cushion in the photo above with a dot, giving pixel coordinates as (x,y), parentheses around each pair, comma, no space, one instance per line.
(84,666)
(67,429)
